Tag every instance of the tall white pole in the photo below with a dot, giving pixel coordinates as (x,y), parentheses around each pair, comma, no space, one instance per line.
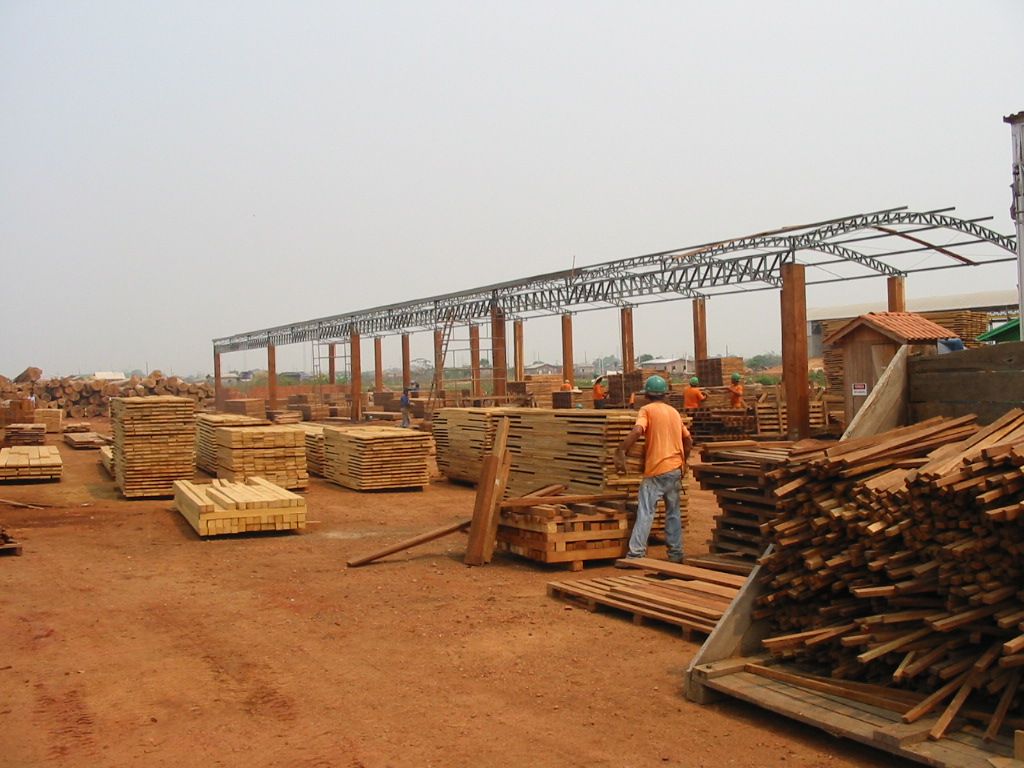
(1017,207)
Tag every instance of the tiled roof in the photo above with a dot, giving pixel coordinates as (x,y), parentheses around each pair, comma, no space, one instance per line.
(905,327)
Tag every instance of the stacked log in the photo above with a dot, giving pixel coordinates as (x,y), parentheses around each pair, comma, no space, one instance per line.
(897,561)
(154,444)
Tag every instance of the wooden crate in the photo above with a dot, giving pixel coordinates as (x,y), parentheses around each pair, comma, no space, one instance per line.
(30,462)
(221,507)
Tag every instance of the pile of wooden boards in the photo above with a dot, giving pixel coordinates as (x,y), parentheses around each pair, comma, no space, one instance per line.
(773,420)
(284,416)
(223,507)
(30,462)
(275,453)
(690,598)
(713,424)
(376,458)
(896,563)
(315,448)
(463,436)
(207,425)
(717,371)
(51,418)
(107,459)
(622,385)
(537,388)
(247,406)
(84,440)
(308,407)
(25,434)
(77,427)
(154,443)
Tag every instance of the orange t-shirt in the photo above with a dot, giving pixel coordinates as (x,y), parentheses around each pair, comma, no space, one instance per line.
(663,436)
(598,392)
(693,397)
(736,390)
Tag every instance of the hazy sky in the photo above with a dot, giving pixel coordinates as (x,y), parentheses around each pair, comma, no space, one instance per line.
(172,172)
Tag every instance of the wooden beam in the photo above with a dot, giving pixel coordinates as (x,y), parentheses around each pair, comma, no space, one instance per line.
(271,377)
(378,364)
(437,533)
(499,358)
(794,349)
(438,363)
(568,370)
(356,379)
(474,360)
(626,335)
(700,330)
(218,386)
(332,363)
(406,362)
(518,358)
(897,294)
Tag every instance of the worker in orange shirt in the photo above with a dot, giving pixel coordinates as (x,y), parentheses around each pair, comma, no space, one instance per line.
(667,445)
(736,393)
(599,393)
(693,395)
(566,386)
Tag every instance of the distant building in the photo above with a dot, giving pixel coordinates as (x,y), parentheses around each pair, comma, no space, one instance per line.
(539,368)
(674,365)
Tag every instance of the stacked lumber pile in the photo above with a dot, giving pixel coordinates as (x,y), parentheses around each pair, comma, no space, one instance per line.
(247,406)
(275,453)
(897,562)
(84,440)
(315,448)
(376,458)
(25,434)
(154,443)
(223,507)
(17,410)
(773,421)
(207,425)
(309,407)
(968,324)
(716,371)
(29,462)
(51,418)
(692,599)
(463,436)
(77,427)
(107,459)
(284,417)
(622,385)
(536,387)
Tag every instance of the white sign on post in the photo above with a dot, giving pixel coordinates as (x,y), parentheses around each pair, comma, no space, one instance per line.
(860,390)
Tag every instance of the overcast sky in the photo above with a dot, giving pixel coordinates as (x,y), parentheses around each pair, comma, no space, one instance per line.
(176,171)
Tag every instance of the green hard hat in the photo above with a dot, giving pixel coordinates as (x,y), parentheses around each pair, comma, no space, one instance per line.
(656,385)
(735,377)
(694,381)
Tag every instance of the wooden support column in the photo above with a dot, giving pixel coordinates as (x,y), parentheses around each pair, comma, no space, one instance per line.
(474,360)
(519,359)
(626,334)
(332,365)
(271,377)
(700,330)
(356,379)
(378,364)
(794,350)
(897,294)
(568,370)
(218,385)
(406,362)
(499,358)
(438,363)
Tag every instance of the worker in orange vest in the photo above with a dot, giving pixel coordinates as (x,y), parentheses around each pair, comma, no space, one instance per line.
(693,395)
(566,386)
(599,393)
(736,393)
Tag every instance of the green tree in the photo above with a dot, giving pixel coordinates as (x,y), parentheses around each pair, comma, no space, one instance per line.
(763,361)
(644,358)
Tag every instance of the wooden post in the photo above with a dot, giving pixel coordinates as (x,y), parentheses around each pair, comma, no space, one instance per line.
(794,350)
(378,364)
(700,330)
(406,362)
(474,360)
(332,365)
(499,359)
(271,377)
(218,386)
(568,371)
(519,359)
(897,294)
(356,379)
(626,334)
(438,363)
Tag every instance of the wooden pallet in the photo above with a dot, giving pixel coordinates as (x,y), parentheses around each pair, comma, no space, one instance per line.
(30,462)
(221,507)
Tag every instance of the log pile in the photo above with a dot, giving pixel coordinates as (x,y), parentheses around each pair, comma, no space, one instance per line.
(247,406)
(376,458)
(275,453)
(897,562)
(25,434)
(51,418)
(207,425)
(223,507)
(27,462)
(154,444)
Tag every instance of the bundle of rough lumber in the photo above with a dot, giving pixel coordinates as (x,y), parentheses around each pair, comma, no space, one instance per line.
(223,507)
(207,425)
(84,440)
(51,418)
(314,448)
(716,371)
(25,434)
(537,388)
(154,443)
(284,416)
(16,411)
(897,561)
(246,406)
(463,436)
(107,459)
(28,462)
(76,427)
(376,458)
(622,385)
(275,453)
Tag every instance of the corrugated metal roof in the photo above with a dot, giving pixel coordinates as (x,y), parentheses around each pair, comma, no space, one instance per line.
(1006,332)
(905,327)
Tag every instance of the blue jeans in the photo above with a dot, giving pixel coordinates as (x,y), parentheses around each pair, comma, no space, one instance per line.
(651,489)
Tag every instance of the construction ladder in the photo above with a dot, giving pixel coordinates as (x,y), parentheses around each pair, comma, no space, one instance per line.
(438,377)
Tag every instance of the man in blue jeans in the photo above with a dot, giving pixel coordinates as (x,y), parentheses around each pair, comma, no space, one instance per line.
(667,445)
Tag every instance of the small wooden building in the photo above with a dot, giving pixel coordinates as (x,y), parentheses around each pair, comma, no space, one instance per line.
(869,342)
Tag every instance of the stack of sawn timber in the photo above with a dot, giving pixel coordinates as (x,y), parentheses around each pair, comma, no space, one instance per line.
(275,453)
(897,562)
(246,406)
(376,458)
(25,434)
(154,444)
(463,436)
(207,425)
(30,462)
(224,507)
(315,455)
(51,418)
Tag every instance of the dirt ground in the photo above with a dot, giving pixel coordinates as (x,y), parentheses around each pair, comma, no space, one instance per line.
(125,640)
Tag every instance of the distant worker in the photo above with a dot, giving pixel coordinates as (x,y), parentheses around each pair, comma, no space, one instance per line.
(736,393)
(667,445)
(599,393)
(693,395)
(566,386)
(406,408)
